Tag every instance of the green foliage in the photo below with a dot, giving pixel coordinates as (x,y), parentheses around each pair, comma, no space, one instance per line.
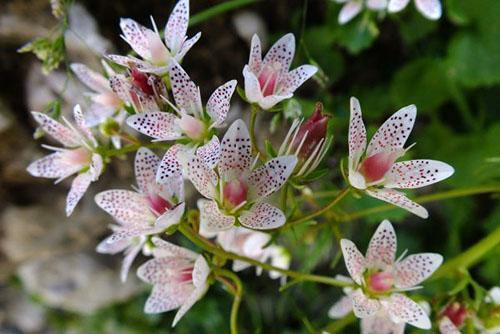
(51,52)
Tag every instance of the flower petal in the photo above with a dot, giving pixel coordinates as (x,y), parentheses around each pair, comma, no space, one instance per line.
(157,124)
(200,272)
(349,11)
(210,152)
(219,102)
(255,58)
(53,166)
(377,4)
(447,327)
(363,306)
(189,302)
(403,309)
(415,269)
(145,165)
(253,91)
(431,9)
(357,135)
(136,36)
(169,172)
(294,79)
(354,260)
(93,80)
(129,61)
(166,249)
(130,255)
(203,178)
(341,308)
(397,5)
(392,135)
(281,52)
(186,93)
(271,100)
(165,298)
(211,218)
(417,173)
(56,130)
(382,248)
(268,178)
(127,207)
(170,218)
(78,188)
(186,46)
(105,247)
(176,27)
(82,126)
(381,323)
(262,216)
(163,270)
(236,152)
(399,199)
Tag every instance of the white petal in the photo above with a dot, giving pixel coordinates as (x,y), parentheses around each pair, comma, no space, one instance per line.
(203,178)
(96,167)
(281,52)
(262,216)
(129,258)
(382,248)
(354,260)
(210,152)
(105,247)
(186,93)
(169,172)
(169,218)
(255,58)
(128,61)
(166,249)
(357,136)
(189,302)
(431,9)
(397,5)
(363,306)
(127,207)
(136,36)
(186,46)
(377,4)
(268,178)
(402,308)
(164,298)
(417,173)
(219,102)
(145,165)
(163,270)
(253,91)
(93,80)
(78,188)
(236,152)
(56,130)
(399,199)
(350,10)
(271,100)
(53,166)
(341,308)
(392,135)
(176,27)
(157,124)
(415,269)
(200,272)
(80,122)
(381,323)
(294,79)
(211,218)
(447,327)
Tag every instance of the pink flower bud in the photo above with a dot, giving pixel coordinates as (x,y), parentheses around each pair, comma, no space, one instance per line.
(315,127)
(456,312)
(192,127)
(380,282)
(235,192)
(140,80)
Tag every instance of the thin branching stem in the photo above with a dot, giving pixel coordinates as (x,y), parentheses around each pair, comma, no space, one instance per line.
(253,140)
(236,290)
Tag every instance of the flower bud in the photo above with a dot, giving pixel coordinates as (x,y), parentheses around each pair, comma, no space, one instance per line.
(380,282)
(456,312)
(140,80)
(315,127)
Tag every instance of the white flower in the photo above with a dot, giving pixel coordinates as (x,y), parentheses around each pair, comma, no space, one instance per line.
(77,156)
(269,81)
(352,8)
(431,9)
(373,168)
(179,278)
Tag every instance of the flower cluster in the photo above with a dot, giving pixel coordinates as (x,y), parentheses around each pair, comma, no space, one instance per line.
(152,95)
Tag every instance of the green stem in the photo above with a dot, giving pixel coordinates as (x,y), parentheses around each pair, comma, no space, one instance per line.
(237,292)
(108,153)
(339,325)
(283,197)
(253,140)
(211,248)
(320,211)
(218,9)
(470,256)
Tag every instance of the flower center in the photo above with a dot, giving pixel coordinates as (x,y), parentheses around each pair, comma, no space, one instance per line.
(235,192)
(380,282)
(192,127)
(269,77)
(158,204)
(79,156)
(456,313)
(159,53)
(185,275)
(376,166)
(140,80)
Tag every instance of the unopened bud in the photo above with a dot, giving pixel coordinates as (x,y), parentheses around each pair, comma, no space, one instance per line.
(315,129)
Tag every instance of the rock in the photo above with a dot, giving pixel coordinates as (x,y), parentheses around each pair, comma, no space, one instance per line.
(19,313)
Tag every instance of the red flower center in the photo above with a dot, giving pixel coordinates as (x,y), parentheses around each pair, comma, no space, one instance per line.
(380,282)
(268,78)
(235,192)
(158,204)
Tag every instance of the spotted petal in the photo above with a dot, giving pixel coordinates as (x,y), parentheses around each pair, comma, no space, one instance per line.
(349,11)
(130,255)
(186,46)
(145,165)
(78,188)
(165,298)
(403,309)
(200,272)
(253,91)
(186,93)
(282,53)
(446,326)
(93,80)
(381,323)
(53,166)
(415,269)
(341,308)
(157,124)
(399,199)
(163,270)
(397,5)
(255,59)
(176,27)
(294,79)
(354,260)
(166,249)
(268,178)
(203,178)
(169,172)
(210,152)
(218,103)
(212,219)
(189,302)
(136,36)
(382,248)
(127,207)
(236,152)
(431,9)
(82,126)
(357,135)
(363,306)
(262,216)
(56,130)
(417,173)
(392,135)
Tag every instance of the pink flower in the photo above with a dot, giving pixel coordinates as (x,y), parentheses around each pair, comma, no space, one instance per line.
(379,280)
(77,156)
(237,189)
(431,9)
(149,210)
(352,8)
(192,121)
(148,44)
(269,81)
(179,278)
(375,170)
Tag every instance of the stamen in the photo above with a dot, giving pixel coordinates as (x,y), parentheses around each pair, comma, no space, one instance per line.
(236,208)
(295,125)
(255,161)
(311,157)
(301,143)
(402,256)
(172,106)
